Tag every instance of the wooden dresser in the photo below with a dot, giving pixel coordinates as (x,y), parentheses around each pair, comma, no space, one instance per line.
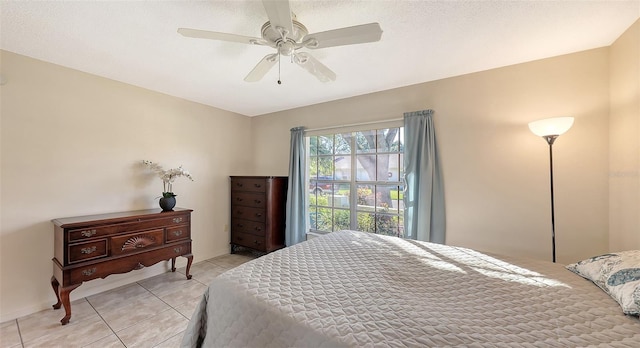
(96,246)
(258,212)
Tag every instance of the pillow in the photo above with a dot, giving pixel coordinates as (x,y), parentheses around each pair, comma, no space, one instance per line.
(618,274)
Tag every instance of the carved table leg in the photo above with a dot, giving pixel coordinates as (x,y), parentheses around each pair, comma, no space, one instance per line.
(173,264)
(189,261)
(55,285)
(64,295)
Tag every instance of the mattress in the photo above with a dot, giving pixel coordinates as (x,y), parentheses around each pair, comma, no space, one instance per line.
(357,289)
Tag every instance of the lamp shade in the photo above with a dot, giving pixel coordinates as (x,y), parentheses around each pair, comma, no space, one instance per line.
(551,126)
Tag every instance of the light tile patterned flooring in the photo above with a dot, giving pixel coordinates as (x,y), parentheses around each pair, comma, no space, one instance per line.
(150,313)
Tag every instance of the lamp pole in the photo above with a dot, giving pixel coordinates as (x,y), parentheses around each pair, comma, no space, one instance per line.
(550,139)
(549,129)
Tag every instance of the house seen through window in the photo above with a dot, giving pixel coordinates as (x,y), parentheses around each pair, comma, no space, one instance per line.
(355,181)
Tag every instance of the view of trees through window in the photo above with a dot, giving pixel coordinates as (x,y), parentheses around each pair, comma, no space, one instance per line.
(355,181)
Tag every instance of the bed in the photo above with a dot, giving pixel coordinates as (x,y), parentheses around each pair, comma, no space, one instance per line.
(356,289)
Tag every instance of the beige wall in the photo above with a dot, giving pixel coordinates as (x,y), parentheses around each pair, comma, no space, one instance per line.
(496,171)
(624,141)
(71,145)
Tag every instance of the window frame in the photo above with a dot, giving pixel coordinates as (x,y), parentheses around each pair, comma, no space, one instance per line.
(353,182)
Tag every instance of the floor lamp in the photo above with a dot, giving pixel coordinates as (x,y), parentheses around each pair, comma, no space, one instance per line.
(550,129)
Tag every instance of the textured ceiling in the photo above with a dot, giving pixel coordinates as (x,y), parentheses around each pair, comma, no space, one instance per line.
(136,42)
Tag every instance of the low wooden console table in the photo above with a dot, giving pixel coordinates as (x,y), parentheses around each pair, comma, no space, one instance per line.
(96,246)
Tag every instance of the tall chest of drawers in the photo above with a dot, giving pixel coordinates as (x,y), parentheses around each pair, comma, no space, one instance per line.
(258,212)
(96,246)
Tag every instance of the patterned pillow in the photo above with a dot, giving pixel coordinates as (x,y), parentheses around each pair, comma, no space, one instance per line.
(618,274)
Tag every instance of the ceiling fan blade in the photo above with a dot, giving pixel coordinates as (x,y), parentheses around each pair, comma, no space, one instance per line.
(344,36)
(279,14)
(212,35)
(262,68)
(313,66)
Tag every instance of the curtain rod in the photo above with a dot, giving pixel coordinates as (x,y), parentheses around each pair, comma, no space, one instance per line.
(352,125)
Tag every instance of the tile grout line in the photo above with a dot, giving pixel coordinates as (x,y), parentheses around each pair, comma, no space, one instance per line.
(114,332)
(19,332)
(226,267)
(157,345)
(168,305)
(105,322)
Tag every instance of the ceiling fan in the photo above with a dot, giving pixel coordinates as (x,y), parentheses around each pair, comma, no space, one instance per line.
(284,33)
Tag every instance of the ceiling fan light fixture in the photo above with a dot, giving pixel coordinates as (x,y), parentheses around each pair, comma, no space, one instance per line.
(286,48)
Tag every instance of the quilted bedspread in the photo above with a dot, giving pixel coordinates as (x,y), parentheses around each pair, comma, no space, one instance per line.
(356,289)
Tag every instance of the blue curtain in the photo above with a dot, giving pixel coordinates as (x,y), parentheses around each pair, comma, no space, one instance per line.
(296,220)
(424,214)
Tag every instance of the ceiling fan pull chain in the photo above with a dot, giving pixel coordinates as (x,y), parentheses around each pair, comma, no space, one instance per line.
(279,82)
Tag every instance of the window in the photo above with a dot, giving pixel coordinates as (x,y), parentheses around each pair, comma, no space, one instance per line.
(355,181)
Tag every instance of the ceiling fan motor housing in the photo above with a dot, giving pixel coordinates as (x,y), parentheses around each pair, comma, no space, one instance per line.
(274,35)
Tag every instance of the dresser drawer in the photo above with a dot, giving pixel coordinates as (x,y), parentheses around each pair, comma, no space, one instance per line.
(87,233)
(248,213)
(126,264)
(178,233)
(248,184)
(136,242)
(248,240)
(102,231)
(246,226)
(248,199)
(85,273)
(87,251)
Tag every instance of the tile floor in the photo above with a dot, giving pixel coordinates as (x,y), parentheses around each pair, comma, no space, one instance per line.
(155,314)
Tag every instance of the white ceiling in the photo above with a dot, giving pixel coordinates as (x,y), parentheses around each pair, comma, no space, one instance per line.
(136,42)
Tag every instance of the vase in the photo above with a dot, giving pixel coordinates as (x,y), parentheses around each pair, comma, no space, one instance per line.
(167,203)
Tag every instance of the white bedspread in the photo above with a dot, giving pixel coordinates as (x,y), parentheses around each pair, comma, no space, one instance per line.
(361,290)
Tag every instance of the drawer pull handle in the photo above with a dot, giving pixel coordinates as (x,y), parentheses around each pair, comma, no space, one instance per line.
(240,225)
(177,220)
(258,214)
(177,233)
(88,250)
(177,250)
(239,184)
(88,272)
(88,233)
(258,185)
(258,228)
(257,201)
(256,242)
(239,199)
